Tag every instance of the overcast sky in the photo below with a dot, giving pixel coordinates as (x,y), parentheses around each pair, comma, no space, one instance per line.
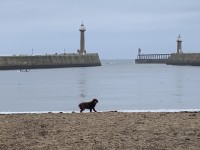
(114,28)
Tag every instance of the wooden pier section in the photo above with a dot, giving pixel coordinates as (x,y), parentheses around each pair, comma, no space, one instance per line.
(152,58)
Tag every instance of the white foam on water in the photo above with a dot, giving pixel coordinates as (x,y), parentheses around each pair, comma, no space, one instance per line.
(162,110)
(37,112)
(156,110)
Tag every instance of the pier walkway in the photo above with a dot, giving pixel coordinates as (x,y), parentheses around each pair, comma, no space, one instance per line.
(152,58)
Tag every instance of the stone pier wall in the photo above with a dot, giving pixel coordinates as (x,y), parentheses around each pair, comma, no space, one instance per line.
(49,61)
(192,59)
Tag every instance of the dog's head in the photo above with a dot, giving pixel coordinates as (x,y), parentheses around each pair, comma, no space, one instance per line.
(95,101)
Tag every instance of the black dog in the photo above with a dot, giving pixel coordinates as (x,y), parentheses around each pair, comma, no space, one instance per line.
(88,105)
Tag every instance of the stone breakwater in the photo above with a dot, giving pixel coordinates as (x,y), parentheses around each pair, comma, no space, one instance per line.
(192,59)
(49,61)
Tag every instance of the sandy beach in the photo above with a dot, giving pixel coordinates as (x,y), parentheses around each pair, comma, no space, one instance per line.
(101,130)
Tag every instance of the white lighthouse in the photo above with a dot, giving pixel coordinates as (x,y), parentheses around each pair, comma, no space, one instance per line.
(82,50)
(179,44)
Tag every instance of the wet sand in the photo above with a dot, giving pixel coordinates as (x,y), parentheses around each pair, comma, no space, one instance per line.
(101,130)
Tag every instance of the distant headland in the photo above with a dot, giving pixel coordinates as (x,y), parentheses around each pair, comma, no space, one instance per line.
(79,59)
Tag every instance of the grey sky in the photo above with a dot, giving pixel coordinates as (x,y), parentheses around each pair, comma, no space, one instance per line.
(115,28)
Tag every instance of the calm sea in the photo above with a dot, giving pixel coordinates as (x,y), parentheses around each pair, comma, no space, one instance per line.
(119,85)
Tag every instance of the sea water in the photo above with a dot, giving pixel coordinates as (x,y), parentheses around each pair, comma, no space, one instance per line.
(119,85)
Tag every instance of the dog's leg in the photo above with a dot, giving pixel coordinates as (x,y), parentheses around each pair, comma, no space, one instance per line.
(94,109)
(82,110)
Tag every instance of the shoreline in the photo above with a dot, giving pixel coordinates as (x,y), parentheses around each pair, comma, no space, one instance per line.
(100,130)
(86,111)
